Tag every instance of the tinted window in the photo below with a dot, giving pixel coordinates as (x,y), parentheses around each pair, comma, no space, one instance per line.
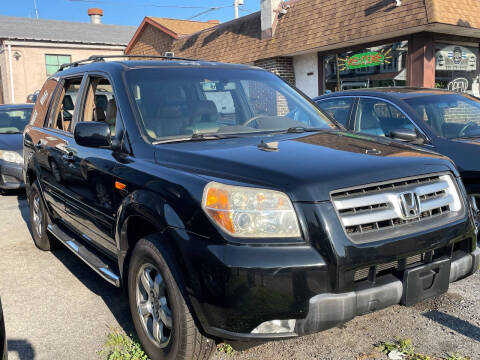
(179,102)
(339,109)
(450,116)
(378,117)
(14,121)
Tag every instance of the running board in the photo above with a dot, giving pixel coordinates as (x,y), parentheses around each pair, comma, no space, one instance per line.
(87,256)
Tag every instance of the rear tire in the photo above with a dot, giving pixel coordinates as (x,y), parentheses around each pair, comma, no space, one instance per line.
(166,329)
(39,220)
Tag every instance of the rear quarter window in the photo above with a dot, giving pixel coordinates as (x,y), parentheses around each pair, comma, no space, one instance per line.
(43,101)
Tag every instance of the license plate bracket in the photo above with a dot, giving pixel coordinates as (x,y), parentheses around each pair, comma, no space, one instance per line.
(426,281)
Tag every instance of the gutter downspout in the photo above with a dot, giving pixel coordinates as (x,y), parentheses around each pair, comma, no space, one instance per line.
(12,90)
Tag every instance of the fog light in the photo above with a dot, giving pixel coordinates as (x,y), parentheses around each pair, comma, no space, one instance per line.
(275,327)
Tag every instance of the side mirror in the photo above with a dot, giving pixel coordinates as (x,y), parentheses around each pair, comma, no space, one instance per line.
(92,134)
(407,135)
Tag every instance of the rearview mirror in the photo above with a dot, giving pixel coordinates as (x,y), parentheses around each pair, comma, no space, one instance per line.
(92,134)
(407,135)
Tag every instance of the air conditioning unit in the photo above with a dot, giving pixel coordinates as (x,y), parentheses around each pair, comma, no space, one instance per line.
(169,54)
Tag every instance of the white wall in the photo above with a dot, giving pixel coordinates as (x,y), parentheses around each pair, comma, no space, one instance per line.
(29,70)
(304,65)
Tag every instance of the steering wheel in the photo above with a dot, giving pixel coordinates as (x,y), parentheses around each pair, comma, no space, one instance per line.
(464,129)
(249,121)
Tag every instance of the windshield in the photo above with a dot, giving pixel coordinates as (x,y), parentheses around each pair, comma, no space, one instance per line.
(184,102)
(14,121)
(450,116)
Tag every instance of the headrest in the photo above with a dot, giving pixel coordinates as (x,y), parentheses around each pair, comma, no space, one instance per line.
(101,101)
(168,111)
(111,112)
(67,103)
(206,107)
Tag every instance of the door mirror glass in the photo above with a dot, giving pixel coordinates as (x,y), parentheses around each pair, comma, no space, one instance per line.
(406,135)
(93,134)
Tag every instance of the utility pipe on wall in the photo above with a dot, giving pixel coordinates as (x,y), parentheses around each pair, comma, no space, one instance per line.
(12,90)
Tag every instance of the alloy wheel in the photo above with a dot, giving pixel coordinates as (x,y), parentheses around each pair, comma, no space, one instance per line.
(37,215)
(152,304)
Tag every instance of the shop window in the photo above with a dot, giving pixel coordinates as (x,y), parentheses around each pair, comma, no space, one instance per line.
(456,68)
(53,62)
(379,66)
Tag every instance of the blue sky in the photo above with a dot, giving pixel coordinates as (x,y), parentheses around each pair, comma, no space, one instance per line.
(125,12)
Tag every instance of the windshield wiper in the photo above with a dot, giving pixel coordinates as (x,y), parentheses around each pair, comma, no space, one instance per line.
(11,132)
(195,137)
(468,137)
(302,129)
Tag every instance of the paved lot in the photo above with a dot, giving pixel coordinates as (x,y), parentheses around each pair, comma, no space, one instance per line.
(57,308)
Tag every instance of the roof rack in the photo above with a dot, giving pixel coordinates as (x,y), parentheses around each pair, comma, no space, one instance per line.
(98,58)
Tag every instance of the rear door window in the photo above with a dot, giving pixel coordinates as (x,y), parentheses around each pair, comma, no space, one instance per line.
(338,108)
(62,113)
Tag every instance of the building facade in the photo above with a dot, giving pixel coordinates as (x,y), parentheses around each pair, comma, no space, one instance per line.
(31,49)
(328,45)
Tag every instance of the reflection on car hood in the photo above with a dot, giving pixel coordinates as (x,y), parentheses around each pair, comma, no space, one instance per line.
(13,142)
(306,166)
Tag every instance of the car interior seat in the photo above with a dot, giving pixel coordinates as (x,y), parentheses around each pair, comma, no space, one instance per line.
(111,115)
(370,123)
(204,117)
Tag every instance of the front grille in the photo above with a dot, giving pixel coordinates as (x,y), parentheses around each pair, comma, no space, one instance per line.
(362,274)
(369,211)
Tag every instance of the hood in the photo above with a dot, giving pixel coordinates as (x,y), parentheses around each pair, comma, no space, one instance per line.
(305,166)
(12,142)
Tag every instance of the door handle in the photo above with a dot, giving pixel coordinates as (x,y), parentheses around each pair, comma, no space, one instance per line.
(68,157)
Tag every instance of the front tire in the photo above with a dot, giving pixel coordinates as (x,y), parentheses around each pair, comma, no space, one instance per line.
(161,317)
(39,220)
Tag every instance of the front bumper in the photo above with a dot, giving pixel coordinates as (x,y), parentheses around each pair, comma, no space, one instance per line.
(11,176)
(328,310)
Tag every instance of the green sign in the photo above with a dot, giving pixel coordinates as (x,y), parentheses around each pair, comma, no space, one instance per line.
(365,59)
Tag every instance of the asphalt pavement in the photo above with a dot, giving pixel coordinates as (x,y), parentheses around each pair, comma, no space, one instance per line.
(57,308)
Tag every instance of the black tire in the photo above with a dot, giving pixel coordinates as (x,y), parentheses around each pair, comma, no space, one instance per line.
(39,228)
(185,340)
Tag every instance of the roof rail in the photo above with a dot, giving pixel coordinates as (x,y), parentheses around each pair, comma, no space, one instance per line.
(98,58)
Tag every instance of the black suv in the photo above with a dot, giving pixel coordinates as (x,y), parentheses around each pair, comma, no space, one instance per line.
(231,207)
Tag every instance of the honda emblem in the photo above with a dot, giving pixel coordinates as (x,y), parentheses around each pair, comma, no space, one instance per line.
(409,204)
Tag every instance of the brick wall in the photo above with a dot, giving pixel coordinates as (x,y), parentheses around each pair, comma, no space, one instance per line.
(151,42)
(281,66)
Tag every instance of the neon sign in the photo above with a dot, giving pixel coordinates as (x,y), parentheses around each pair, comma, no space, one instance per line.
(366,59)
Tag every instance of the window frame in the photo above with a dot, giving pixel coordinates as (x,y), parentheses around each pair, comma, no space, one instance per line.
(57,55)
(417,127)
(119,123)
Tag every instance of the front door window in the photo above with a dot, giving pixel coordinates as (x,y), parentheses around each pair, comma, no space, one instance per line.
(378,117)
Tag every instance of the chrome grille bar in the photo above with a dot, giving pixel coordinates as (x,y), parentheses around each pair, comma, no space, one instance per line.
(378,207)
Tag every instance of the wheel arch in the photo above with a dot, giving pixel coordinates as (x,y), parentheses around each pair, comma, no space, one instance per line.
(141,214)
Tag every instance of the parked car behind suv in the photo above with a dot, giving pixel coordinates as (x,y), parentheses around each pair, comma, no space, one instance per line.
(13,119)
(443,121)
(231,207)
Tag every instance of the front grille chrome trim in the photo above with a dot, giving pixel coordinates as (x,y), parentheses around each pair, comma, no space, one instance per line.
(370,212)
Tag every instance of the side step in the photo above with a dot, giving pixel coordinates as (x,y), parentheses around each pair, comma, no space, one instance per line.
(87,256)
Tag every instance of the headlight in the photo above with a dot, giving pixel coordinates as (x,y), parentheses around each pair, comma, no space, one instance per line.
(250,212)
(11,157)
